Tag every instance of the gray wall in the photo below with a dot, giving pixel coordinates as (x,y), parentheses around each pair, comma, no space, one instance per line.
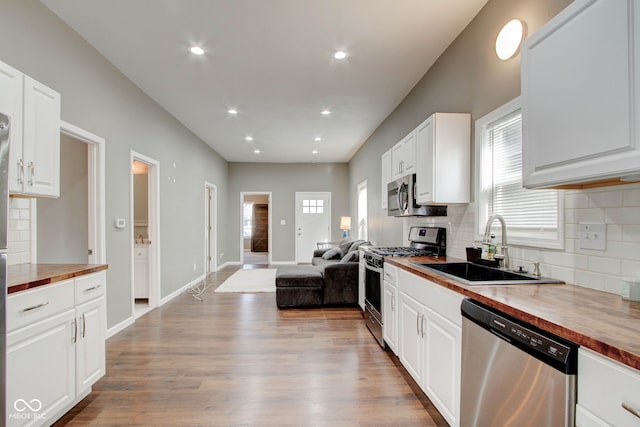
(468,77)
(62,223)
(283,180)
(100,99)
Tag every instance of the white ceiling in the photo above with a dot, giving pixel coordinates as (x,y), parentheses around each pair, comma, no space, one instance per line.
(272,61)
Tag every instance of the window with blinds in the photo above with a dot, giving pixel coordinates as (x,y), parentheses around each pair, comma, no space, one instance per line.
(533,217)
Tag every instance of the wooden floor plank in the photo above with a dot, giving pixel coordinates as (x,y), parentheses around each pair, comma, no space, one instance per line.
(235,359)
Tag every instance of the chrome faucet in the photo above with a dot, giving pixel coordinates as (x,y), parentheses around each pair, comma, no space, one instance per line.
(503,254)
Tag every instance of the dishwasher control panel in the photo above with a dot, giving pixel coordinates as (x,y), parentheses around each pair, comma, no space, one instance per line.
(525,336)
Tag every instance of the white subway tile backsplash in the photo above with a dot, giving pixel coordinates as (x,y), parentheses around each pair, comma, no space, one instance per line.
(606,199)
(631,233)
(617,207)
(631,197)
(19,231)
(629,215)
(589,279)
(576,200)
(590,215)
(604,265)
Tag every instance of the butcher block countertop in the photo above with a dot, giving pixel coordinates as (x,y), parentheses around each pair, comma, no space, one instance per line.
(28,276)
(600,321)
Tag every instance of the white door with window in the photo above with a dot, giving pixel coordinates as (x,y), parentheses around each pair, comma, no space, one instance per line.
(313,223)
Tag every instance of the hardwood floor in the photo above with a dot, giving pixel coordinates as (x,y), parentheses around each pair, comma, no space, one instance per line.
(235,359)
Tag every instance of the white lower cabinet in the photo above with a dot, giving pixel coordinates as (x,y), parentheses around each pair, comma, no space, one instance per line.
(55,348)
(90,344)
(429,340)
(410,314)
(40,370)
(608,392)
(390,307)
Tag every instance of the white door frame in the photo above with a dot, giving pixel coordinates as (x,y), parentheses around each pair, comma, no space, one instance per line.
(297,214)
(97,241)
(256,193)
(210,211)
(154,228)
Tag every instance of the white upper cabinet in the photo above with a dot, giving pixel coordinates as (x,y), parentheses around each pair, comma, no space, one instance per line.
(386,178)
(34,110)
(580,96)
(403,157)
(443,155)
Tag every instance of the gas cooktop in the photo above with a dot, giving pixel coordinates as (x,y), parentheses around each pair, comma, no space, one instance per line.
(400,251)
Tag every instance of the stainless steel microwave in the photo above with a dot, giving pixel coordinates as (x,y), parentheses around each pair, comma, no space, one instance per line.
(401,200)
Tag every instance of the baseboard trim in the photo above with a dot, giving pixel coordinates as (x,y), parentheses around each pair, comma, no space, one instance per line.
(120,326)
(228,263)
(174,294)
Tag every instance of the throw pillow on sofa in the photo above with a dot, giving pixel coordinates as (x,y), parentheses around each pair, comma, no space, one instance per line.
(356,244)
(345,244)
(351,256)
(333,253)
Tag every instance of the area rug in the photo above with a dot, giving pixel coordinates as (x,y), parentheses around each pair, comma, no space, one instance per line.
(256,280)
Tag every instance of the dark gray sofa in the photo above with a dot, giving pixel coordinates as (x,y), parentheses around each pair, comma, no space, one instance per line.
(328,281)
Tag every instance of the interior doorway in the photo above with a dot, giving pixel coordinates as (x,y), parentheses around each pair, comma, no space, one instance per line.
(145,236)
(210,227)
(255,232)
(78,214)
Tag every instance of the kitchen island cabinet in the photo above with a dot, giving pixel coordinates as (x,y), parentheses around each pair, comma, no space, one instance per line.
(56,331)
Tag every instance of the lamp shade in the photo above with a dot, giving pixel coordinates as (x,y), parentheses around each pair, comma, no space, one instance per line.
(345,223)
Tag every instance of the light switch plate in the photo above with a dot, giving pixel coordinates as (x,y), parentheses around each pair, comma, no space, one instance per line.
(283,222)
(593,236)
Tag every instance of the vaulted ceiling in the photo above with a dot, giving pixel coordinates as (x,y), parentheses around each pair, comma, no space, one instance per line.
(272,61)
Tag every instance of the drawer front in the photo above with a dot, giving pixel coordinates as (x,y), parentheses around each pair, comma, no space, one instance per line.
(90,287)
(390,274)
(26,307)
(597,373)
(438,298)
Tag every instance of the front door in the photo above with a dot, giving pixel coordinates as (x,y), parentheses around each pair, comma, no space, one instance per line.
(313,223)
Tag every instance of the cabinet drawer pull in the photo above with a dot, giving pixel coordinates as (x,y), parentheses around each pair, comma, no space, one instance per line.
(635,412)
(84,326)
(93,288)
(75,330)
(42,304)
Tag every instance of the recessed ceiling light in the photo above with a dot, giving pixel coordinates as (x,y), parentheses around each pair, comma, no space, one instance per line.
(196,50)
(232,111)
(317,139)
(325,112)
(314,152)
(248,138)
(340,54)
(256,151)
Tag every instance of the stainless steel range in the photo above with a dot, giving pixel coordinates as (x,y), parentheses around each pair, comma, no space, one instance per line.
(423,241)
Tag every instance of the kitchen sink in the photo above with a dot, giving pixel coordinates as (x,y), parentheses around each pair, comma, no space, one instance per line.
(472,274)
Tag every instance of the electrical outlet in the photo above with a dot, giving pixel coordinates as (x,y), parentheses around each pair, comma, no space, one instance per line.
(593,236)
(221,255)
(194,267)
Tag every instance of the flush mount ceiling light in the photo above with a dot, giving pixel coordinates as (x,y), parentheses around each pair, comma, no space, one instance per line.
(340,54)
(314,152)
(509,39)
(325,112)
(256,151)
(248,138)
(317,139)
(196,50)
(232,111)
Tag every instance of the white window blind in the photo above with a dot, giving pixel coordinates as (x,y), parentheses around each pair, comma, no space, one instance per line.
(533,217)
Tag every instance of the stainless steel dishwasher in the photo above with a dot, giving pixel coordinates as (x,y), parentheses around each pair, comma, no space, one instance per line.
(514,374)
